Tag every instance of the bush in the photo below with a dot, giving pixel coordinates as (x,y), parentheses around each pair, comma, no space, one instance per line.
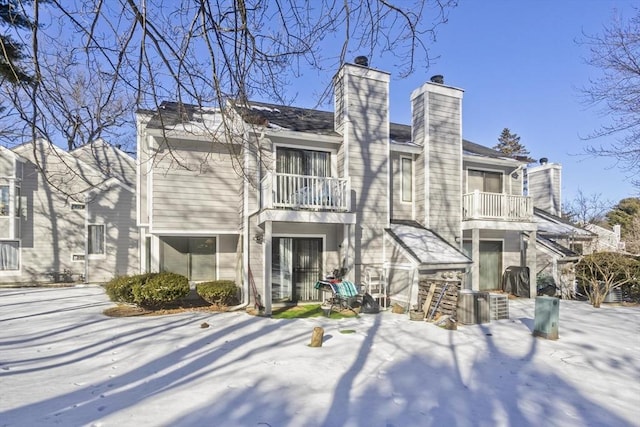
(120,289)
(160,289)
(219,292)
(601,272)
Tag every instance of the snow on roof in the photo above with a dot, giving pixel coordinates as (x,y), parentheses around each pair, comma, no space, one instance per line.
(552,225)
(425,246)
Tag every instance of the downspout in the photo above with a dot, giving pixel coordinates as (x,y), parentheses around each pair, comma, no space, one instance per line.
(86,238)
(246,289)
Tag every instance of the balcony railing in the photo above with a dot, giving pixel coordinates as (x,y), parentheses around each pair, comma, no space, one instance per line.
(288,191)
(497,206)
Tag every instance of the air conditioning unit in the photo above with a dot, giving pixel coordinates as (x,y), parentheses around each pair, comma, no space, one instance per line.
(473,307)
(499,306)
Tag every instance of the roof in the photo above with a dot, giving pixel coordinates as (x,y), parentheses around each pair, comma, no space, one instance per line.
(322,122)
(552,226)
(275,116)
(55,162)
(556,247)
(424,246)
(176,115)
(108,159)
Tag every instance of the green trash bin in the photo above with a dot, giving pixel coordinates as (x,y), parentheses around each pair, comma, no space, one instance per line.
(547,316)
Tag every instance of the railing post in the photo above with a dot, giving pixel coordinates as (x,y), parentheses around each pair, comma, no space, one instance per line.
(476,203)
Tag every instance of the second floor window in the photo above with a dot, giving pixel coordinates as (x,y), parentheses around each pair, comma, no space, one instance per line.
(407,179)
(4,200)
(484,181)
(303,162)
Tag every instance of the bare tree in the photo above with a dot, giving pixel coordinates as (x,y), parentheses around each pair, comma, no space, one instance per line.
(616,54)
(202,54)
(587,209)
(602,272)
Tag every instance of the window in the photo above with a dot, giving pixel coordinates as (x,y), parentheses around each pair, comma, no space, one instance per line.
(488,182)
(95,240)
(407,179)
(303,162)
(4,200)
(9,255)
(193,257)
(17,203)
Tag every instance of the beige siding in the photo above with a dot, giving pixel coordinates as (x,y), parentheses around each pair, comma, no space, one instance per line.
(229,254)
(544,185)
(109,160)
(420,190)
(142,184)
(368,131)
(115,209)
(400,284)
(445,165)
(204,196)
(6,164)
(51,232)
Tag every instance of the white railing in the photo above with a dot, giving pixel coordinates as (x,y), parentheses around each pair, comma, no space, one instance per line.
(288,191)
(507,207)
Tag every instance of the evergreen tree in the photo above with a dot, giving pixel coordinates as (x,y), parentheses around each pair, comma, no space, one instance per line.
(627,214)
(509,144)
(11,51)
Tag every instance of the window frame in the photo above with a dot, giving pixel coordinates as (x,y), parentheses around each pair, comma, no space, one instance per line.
(484,172)
(93,255)
(403,193)
(5,199)
(19,251)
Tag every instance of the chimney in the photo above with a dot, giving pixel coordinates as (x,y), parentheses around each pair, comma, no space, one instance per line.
(362,61)
(438,78)
(436,125)
(544,183)
(361,116)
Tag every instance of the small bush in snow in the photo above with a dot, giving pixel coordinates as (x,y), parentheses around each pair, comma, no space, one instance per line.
(160,289)
(219,292)
(120,289)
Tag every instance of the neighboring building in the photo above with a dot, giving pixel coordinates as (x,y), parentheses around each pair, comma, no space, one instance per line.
(319,191)
(63,217)
(607,240)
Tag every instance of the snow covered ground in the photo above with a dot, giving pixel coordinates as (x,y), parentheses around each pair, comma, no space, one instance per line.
(62,362)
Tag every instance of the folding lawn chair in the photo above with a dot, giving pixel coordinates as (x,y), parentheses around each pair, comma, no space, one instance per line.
(340,293)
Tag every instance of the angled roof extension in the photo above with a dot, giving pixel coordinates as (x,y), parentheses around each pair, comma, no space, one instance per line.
(424,247)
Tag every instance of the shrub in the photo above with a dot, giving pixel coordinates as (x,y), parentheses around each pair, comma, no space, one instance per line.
(120,289)
(219,292)
(602,272)
(160,289)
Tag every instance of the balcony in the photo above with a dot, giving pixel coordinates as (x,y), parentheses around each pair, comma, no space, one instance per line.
(496,206)
(305,192)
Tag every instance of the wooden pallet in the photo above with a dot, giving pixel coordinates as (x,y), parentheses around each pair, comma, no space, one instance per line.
(429,292)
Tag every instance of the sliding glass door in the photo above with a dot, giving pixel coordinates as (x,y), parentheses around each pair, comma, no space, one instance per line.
(297,266)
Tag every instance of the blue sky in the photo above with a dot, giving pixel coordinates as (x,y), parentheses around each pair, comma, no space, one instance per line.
(521,67)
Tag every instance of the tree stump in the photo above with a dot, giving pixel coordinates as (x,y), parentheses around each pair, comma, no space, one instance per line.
(316,337)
